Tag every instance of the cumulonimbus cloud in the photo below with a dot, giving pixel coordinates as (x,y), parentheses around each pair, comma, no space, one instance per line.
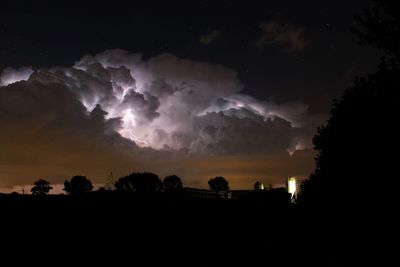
(117,108)
(171,103)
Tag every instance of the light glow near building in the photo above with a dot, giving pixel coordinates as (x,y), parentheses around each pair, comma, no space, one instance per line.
(291,184)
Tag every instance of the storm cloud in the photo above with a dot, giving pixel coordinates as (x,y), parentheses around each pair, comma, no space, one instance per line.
(118,108)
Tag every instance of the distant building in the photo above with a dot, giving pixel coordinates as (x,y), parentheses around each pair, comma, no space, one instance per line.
(259,186)
(237,194)
(205,193)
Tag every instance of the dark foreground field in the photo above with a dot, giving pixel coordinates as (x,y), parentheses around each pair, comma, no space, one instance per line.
(132,230)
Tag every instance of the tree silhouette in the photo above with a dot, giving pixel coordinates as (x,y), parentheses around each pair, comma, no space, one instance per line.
(172,183)
(355,145)
(353,148)
(78,185)
(379,25)
(139,182)
(218,184)
(41,187)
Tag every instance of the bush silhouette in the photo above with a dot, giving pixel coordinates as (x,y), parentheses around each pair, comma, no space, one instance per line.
(139,182)
(172,183)
(78,185)
(218,184)
(41,187)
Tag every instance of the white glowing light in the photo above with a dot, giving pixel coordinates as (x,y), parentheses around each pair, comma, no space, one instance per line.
(124,92)
(129,128)
(291,184)
(128,120)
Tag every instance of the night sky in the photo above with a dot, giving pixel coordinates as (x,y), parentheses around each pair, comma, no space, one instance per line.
(231,89)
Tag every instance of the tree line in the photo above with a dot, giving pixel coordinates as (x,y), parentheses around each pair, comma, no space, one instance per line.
(145,182)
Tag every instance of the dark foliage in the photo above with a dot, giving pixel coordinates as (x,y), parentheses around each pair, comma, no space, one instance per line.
(355,147)
(172,183)
(218,184)
(139,182)
(379,26)
(41,187)
(78,185)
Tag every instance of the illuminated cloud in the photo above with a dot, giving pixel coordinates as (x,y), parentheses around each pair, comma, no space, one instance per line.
(10,75)
(116,112)
(290,37)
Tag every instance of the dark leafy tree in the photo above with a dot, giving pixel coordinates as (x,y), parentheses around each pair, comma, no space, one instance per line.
(218,184)
(355,146)
(172,183)
(41,187)
(355,166)
(78,185)
(379,26)
(139,182)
